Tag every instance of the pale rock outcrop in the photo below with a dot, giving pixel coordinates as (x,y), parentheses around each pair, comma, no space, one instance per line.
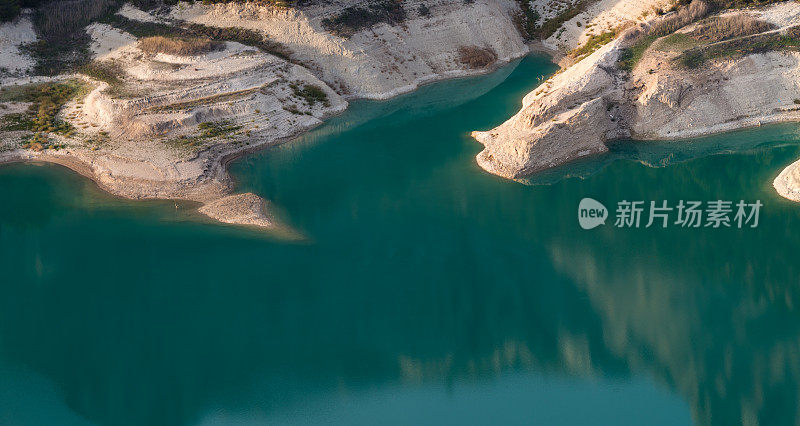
(788,182)
(384,60)
(570,116)
(754,90)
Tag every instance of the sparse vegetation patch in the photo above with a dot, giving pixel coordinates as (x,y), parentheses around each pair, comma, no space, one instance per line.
(208,130)
(105,71)
(311,94)
(63,43)
(476,57)
(528,20)
(760,43)
(662,26)
(594,42)
(550,26)
(213,129)
(46,100)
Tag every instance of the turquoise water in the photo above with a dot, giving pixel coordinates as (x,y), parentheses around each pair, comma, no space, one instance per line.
(423,291)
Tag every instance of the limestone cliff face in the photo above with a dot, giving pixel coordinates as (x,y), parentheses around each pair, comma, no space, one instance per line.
(384,60)
(569,116)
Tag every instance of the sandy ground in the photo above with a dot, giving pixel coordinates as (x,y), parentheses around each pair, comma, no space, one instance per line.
(131,12)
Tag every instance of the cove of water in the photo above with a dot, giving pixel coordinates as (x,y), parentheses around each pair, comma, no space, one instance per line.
(422,291)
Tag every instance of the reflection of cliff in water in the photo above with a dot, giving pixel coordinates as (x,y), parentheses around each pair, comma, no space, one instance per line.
(703,309)
(724,335)
(301,340)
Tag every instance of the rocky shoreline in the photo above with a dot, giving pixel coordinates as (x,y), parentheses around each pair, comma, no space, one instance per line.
(167,126)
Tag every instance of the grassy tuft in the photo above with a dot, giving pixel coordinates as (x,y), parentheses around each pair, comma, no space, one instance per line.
(178,46)
(631,56)
(594,42)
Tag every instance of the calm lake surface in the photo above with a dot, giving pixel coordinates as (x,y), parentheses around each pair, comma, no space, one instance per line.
(422,290)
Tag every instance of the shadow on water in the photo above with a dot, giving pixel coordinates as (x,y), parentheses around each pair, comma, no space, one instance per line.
(427,280)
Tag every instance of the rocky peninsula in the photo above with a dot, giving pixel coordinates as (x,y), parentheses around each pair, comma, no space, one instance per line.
(697,69)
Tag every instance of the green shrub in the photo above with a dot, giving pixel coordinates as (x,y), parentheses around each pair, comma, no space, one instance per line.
(311,94)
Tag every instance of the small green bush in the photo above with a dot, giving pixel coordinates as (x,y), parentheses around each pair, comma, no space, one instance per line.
(311,94)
